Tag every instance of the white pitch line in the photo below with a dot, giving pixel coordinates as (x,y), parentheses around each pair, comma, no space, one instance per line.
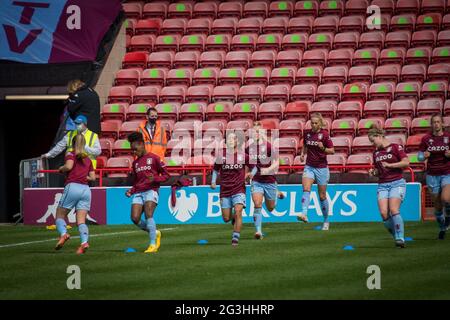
(75,237)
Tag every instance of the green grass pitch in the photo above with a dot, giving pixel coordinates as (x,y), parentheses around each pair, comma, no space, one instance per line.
(293,261)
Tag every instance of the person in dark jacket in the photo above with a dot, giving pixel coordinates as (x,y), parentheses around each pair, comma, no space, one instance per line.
(84,101)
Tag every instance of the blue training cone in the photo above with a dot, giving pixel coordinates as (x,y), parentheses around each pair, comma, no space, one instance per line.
(408,239)
(129,250)
(348,247)
(203,241)
(318,228)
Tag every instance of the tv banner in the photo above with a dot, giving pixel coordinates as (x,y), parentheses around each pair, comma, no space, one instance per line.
(39,206)
(54,31)
(201,205)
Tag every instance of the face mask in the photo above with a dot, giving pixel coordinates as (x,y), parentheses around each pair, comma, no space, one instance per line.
(152,120)
(80,127)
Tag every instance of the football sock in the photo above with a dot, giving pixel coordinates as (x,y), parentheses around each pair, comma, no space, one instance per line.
(305,202)
(440,219)
(257,217)
(388,225)
(447,214)
(61,226)
(236,236)
(142,225)
(151,226)
(398,226)
(324,206)
(84,232)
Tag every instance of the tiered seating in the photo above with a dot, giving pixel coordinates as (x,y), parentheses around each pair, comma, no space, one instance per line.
(281,60)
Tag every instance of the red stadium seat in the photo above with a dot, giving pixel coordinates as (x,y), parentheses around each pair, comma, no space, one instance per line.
(289,145)
(329,91)
(414,72)
(361,73)
(388,72)
(398,138)
(237,59)
(232,76)
(424,38)
(403,108)
(125,129)
(161,59)
(344,127)
(301,25)
(413,143)
(432,6)
(366,56)
(346,40)
(445,22)
(154,76)
(398,39)
(281,8)
(297,110)
(382,90)
(110,129)
(255,9)
(137,111)
(179,77)
(372,39)
(155,10)
(277,92)
(146,94)
(429,21)
(340,57)
(289,58)
(322,40)
(186,59)
(428,107)
(250,25)
(284,75)
(407,90)
(213,129)
(351,23)
(205,76)
(275,25)
(285,160)
(119,162)
(335,7)
(296,41)
(269,42)
(264,58)
(192,111)
(199,93)
(403,22)
(106,145)
(169,42)
(356,7)
(349,109)
(132,10)
(355,91)
(243,125)
(136,59)
(121,94)
(312,74)
(364,125)
(304,92)
(291,128)
(342,145)
(438,71)
(392,56)
(257,75)
(230,9)
(142,42)
(336,160)
(397,125)
(173,26)
(244,110)
(148,26)
(225,25)
(434,89)
(335,74)
(407,6)
(376,108)
(443,38)
(168,111)
(179,10)
(447,107)
(219,111)
(326,24)
(303,8)
(315,57)
(386,6)
(205,10)
(172,94)
(251,92)
(418,55)
(115,111)
(326,108)
(245,41)
(226,93)
(218,42)
(441,55)
(420,125)
(213,59)
(193,42)
(362,145)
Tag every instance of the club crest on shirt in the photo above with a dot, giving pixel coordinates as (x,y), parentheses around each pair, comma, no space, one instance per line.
(240,158)
(446,140)
(308,135)
(149,161)
(320,136)
(430,141)
(389,149)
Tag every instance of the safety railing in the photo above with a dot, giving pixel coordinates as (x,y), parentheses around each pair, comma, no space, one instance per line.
(205,169)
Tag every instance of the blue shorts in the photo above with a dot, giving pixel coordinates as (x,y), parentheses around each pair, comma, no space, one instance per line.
(437,183)
(395,189)
(230,202)
(320,175)
(76,196)
(143,197)
(270,190)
